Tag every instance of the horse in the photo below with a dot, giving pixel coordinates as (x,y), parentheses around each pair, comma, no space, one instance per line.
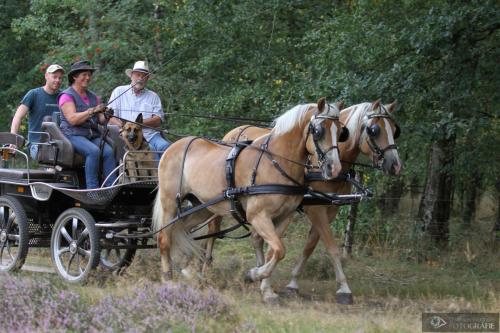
(372,132)
(195,167)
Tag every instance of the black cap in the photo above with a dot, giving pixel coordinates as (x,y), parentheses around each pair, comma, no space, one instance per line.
(79,66)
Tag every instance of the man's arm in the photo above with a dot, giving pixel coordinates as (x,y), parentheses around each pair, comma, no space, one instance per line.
(154,121)
(156,118)
(21,112)
(113,104)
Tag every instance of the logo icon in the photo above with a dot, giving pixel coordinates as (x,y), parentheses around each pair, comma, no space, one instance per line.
(437,322)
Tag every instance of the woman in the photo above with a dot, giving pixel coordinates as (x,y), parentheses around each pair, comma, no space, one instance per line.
(81,113)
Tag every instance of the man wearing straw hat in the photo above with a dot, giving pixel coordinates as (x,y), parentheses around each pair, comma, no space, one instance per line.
(130,100)
(38,103)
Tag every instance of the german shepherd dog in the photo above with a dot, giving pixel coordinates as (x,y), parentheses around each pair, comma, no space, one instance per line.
(139,163)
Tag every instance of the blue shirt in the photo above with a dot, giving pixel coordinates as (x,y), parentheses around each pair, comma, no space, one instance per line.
(129,105)
(40,104)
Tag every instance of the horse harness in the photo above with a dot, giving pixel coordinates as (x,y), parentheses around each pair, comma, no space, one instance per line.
(373,131)
(233,193)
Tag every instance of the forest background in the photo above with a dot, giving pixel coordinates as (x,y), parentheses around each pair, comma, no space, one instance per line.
(257,59)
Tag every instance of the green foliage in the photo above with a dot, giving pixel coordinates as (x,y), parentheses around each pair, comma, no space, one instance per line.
(256,59)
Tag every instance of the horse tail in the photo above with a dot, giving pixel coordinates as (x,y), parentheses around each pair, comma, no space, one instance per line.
(157,214)
(184,246)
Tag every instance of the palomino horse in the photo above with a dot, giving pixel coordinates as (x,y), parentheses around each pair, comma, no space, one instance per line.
(372,132)
(195,167)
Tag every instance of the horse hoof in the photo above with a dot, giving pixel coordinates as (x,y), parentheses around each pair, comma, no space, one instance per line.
(166,277)
(272,299)
(292,291)
(248,277)
(344,298)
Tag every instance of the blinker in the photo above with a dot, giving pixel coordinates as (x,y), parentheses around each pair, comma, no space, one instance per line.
(344,134)
(373,130)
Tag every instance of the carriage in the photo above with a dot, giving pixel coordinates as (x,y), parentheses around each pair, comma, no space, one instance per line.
(46,206)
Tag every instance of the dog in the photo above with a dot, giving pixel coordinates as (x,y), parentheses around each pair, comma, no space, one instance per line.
(139,163)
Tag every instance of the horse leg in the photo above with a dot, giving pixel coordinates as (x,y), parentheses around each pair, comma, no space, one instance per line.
(213,227)
(265,286)
(258,246)
(312,241)
(265,228)
(166,261)
(162,215)
(320,219)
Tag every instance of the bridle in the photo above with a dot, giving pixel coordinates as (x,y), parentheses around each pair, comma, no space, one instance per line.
(372,132)
(318,132)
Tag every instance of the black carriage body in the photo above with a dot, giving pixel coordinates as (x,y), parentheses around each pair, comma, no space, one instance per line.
(47,206)
(130,204)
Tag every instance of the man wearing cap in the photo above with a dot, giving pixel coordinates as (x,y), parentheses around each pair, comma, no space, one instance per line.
(130,100)
(38,103)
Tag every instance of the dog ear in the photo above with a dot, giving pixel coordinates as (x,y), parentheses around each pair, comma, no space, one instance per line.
(139,118)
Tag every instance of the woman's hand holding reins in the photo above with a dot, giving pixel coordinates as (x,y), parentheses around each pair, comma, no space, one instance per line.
(98,109)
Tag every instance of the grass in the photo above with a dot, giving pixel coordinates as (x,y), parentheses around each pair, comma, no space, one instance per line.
(391,287)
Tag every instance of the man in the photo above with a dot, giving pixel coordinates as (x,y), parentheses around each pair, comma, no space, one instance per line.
(38,103)
(130,100)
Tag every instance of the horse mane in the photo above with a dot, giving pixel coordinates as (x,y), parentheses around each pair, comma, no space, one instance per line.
(355,121)
(290,118)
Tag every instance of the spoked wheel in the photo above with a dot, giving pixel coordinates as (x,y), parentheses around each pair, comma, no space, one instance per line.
(13,234)
(75,244)
(114,259)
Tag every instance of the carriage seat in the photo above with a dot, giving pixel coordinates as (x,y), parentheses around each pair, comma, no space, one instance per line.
(56,149)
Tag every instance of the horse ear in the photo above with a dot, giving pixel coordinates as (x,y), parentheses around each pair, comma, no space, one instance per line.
(392,107)
(375,104)
(340,105)
(139,118)
(321,104)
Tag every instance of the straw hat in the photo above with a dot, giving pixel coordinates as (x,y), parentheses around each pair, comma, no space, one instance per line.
(139,66)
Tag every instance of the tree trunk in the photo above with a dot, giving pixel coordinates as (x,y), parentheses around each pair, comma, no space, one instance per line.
(471,186)
(435,204)
(157,37)
(495,232)
(389,201)
(349,230)
(93,33)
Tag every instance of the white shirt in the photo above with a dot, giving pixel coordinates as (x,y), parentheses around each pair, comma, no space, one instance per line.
(129,105)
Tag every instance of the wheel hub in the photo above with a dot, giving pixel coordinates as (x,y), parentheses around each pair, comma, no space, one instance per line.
(3,236)
(73,247)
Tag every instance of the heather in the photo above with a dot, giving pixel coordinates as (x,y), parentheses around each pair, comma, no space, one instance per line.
(156,307)
(36,305)
(39,305)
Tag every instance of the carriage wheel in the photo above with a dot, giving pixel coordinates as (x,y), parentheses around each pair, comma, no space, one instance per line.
(114,259)
(75,244)
(13,234)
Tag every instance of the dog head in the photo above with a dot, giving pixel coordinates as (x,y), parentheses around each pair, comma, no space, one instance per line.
(132,134)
